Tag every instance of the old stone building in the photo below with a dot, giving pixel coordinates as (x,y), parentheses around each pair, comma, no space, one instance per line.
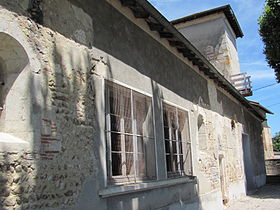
(104,104)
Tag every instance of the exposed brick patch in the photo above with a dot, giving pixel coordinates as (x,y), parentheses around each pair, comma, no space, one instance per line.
(50,142)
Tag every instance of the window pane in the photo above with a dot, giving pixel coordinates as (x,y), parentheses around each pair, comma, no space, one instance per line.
(173,134)
(140,144)
(165,117)
(173,119)
(166,133)
(175,162)
(126,104)
(128,143)
(116,164)
(129,164)
(128,131)
(174,147)
(141,164)
(168,163)
(114,104)
(178,155)
(127,125)
(183,125)
(115,123)
(180,148)
(119,99)
(116,142)
(181,163)
(179,135)
(142,112)
(167,146)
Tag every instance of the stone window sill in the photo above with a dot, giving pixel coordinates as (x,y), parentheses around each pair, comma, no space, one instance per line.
(139,187)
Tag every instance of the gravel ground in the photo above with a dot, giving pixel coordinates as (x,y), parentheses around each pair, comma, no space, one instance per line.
(266,198)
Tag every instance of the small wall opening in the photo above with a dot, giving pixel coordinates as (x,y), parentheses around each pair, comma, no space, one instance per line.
(202,135)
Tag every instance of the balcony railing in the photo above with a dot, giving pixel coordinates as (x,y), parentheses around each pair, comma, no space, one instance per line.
(242,83)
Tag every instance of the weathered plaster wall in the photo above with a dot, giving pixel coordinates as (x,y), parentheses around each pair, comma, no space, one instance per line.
(64,165)
(215,39)
(267,142)
(56,100)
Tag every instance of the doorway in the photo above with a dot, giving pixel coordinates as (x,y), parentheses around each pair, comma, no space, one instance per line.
(248,167)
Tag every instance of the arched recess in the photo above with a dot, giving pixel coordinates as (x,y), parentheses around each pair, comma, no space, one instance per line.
(13,60)
(202,135)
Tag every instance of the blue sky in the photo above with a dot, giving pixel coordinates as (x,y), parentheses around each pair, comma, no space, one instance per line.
(250,47)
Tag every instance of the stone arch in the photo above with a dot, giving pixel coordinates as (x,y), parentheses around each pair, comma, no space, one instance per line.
(13,60)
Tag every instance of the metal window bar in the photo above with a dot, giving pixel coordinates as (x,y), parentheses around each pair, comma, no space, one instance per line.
(133,166)
(174,146)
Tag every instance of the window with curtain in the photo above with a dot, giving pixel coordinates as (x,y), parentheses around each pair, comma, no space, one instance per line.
(177,141)
(130,134)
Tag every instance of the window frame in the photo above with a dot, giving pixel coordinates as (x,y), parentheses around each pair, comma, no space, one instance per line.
(188,141)
(133,178)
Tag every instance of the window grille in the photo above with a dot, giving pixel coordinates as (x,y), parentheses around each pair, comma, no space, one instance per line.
(129,128)
(177,141)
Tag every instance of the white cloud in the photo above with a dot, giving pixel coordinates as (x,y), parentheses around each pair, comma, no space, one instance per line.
(261,75)
(259,63)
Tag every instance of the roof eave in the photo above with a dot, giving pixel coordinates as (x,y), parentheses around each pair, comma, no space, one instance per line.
(193,54)
(226,9)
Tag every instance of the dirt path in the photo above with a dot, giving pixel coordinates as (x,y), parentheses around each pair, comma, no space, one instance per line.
(266,198)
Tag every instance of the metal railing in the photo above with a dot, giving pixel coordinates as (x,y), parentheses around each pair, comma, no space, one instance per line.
(242,83)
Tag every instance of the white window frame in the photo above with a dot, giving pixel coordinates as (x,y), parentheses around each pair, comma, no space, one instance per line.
(122,179)
(188,141)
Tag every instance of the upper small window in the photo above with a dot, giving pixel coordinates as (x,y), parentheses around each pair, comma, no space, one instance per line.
(130,134)
(177,141)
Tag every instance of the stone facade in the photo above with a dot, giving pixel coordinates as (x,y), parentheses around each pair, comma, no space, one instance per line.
(52,132)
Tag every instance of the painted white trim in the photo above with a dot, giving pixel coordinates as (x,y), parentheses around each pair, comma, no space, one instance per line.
(108,132)
(128,86)
(155,140)
(162,128)
(104,143)
(191,142)
(189,128)
(175,105)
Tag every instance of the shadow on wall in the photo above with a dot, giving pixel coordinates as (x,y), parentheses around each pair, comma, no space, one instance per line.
(13,121)
(65,151)
(13,60)
(119,38)
(54,109)
(122,39)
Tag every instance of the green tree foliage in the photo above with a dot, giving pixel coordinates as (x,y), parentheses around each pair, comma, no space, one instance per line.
(276,142)
(269,30)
